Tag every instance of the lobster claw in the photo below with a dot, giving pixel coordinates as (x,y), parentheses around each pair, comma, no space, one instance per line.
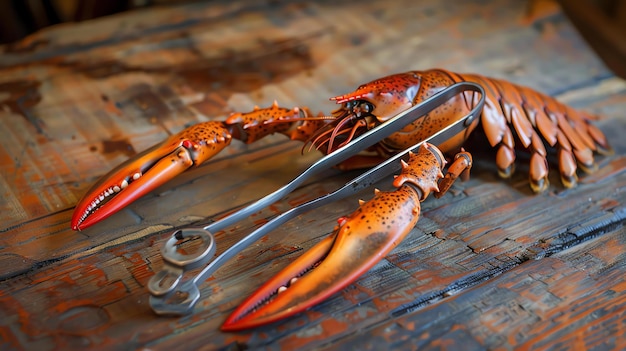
(357,244)
(148,170)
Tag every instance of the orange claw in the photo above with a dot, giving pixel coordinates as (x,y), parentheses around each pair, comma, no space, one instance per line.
(359,242)
(192,146)
(336,262)
(149,170)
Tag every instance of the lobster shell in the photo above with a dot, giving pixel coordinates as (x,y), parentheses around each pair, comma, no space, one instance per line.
(514,117)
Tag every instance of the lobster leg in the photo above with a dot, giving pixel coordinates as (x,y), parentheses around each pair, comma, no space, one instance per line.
(460,167)
(191,147)
(359,242)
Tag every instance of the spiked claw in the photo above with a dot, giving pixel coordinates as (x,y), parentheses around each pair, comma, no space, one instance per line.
(128,182)
(334,263)
(192,146)
(149,170)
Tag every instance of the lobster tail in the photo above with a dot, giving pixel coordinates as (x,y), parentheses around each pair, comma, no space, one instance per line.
(516,113)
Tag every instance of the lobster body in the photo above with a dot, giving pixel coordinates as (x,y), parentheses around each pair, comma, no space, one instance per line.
(511,113)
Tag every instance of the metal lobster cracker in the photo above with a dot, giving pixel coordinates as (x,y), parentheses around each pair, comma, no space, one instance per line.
(167,286)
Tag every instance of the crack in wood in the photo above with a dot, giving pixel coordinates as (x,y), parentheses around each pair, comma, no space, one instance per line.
(572,237)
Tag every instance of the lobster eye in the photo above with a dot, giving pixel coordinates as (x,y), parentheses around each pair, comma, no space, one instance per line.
(348,104)
(367,107)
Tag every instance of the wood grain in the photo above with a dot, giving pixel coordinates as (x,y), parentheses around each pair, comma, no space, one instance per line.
(490,266)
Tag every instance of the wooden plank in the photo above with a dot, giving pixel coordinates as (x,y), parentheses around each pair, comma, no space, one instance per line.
(490,266)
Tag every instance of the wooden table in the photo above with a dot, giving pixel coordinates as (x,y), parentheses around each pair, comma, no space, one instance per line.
(489,266)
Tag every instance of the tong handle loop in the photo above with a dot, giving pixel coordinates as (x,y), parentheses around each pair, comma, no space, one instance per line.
(176,263)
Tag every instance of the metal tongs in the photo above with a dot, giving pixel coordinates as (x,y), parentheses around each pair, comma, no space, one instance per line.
(171,296)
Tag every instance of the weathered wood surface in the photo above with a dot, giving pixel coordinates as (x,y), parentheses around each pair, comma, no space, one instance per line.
(490,266)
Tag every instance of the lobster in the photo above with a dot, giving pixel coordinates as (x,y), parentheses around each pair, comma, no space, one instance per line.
(513,118)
